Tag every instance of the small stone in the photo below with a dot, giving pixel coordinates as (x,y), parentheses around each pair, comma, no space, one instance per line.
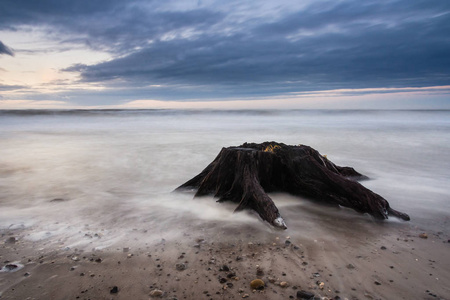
(224,268)
(257,284)
(245,296)
(423,236)
(321,285)
(11,267)
(98,260)
(259,271)
(58,200)
(283,284)
(26,274)
(304,295)
(238,258)
(180,267)
(383,248)
(350,266)
(129,255)
(287,242)
(114,290)
(229,284)
(222,280)
(377,282)
(156,293)
(11,240)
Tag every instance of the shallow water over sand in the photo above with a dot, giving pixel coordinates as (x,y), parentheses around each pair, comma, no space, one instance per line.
(95,178)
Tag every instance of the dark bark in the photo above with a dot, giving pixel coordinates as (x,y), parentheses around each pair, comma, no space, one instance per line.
(246,173)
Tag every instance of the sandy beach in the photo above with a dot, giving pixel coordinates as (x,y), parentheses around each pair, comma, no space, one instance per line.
(218,260)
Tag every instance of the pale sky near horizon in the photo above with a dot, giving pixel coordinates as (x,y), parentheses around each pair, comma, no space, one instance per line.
(225,54)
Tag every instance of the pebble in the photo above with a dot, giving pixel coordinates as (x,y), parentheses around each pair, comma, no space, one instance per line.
(350,266)
(321,285)
(10,267)
(304,295)
(245,296)
(180,267)
(224,268)
(283,284)
(377,282)
(11,240)
(423,236)
(383,248)
(114,290)
(222,280)
(257,284)
(156,293)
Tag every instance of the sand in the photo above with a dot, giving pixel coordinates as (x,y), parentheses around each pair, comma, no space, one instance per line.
(216,260)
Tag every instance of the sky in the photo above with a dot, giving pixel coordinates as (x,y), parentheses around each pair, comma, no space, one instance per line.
(225,54)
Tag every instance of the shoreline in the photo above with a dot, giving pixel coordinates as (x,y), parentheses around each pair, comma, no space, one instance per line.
(391,262)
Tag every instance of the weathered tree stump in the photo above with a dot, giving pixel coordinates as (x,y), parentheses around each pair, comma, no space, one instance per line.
(244,175)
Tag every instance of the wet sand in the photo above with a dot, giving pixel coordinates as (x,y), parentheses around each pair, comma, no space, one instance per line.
(218,260)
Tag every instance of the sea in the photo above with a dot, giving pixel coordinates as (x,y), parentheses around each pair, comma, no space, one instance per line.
(95,179)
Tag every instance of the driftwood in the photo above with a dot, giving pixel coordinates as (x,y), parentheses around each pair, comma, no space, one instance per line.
(244,175)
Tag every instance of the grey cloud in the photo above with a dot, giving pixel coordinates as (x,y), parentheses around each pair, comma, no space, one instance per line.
(5,88)
(258,61)
(114,26)
(5,49)
(209,51)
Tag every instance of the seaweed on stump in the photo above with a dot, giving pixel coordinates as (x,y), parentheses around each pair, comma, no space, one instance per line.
(245,174)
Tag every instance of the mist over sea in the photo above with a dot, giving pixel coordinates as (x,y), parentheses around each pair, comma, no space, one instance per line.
(93,178)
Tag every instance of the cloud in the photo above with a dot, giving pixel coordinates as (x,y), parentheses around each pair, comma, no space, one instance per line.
(199,50)
(5,88)
(5,49)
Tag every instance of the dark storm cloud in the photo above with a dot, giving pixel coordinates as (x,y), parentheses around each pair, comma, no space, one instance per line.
(203,51)
(344,46)
(5,49)
(114,26)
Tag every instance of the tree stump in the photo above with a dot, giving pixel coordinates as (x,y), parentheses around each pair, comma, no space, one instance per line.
(245,174)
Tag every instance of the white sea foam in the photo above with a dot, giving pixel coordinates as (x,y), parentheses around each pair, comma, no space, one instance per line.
(92,178)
